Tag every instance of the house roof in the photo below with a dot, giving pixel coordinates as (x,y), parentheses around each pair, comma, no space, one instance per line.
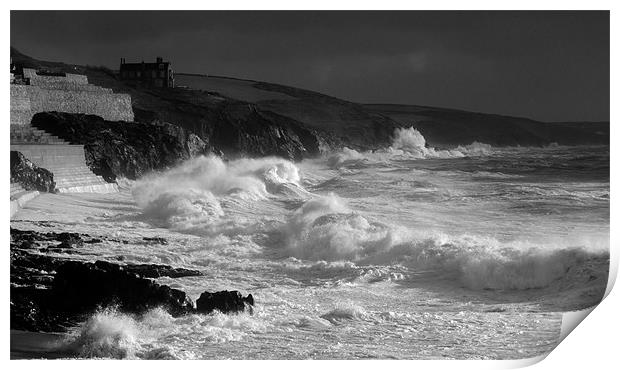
(141,66)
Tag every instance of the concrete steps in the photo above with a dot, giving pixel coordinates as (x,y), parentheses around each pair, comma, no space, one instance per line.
(80,179)
(52,156)
(106,187)
(68,181)
(27,134)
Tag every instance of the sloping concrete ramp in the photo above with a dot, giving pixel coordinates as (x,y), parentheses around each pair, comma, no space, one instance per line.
(19,197)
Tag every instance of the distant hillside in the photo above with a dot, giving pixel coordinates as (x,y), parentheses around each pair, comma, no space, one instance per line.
(351,123)
(448,127)
(244,117)
(373,124)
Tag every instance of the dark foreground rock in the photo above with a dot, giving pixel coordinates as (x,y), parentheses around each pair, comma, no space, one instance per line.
(224,301)
(51,293)
(29,175)
(81,287)
(127,149)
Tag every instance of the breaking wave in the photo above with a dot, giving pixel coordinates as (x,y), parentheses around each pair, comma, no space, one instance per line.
(345,311)
(113,334)
(192,194)
(407,143)
(325,229)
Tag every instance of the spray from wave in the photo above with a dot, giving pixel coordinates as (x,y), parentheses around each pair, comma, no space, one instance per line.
(407,143)
(113,334)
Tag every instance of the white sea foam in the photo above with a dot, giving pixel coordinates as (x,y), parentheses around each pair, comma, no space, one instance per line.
(475,149)
(345,156)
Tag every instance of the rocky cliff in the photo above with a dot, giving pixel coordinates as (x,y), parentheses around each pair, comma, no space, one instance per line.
(127,149)
(29,176)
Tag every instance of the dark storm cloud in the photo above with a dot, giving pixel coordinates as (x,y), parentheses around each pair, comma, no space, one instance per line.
(544,65)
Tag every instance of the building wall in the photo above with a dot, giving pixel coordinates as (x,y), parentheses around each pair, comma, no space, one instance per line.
(158,74)
(21,112)
(27,100)
(37,80)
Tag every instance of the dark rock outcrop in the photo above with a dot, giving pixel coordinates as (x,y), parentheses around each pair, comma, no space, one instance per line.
(81,287)
(155,240)
(224,301)
(32,239)
(51,293)
(29,175)
(244,129)
(156,271)
(128,149)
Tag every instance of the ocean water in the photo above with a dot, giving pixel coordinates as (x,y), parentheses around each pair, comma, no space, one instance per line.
(408,252)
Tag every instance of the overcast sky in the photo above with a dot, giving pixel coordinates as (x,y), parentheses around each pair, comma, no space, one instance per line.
(551,66)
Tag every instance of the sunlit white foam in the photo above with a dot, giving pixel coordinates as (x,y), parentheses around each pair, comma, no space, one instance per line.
(345,311)
(475,149)
(345,156)
(112,334)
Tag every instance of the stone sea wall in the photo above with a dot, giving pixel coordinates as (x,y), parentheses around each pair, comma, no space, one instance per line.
(26,100)
(21,112)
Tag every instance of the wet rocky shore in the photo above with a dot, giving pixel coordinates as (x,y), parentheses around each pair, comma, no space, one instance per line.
(51,291)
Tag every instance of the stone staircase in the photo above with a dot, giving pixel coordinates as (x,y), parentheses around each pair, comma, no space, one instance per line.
(26,134)
(64,160)
(80,179)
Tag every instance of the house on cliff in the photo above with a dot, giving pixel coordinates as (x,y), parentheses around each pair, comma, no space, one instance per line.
(158,74)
